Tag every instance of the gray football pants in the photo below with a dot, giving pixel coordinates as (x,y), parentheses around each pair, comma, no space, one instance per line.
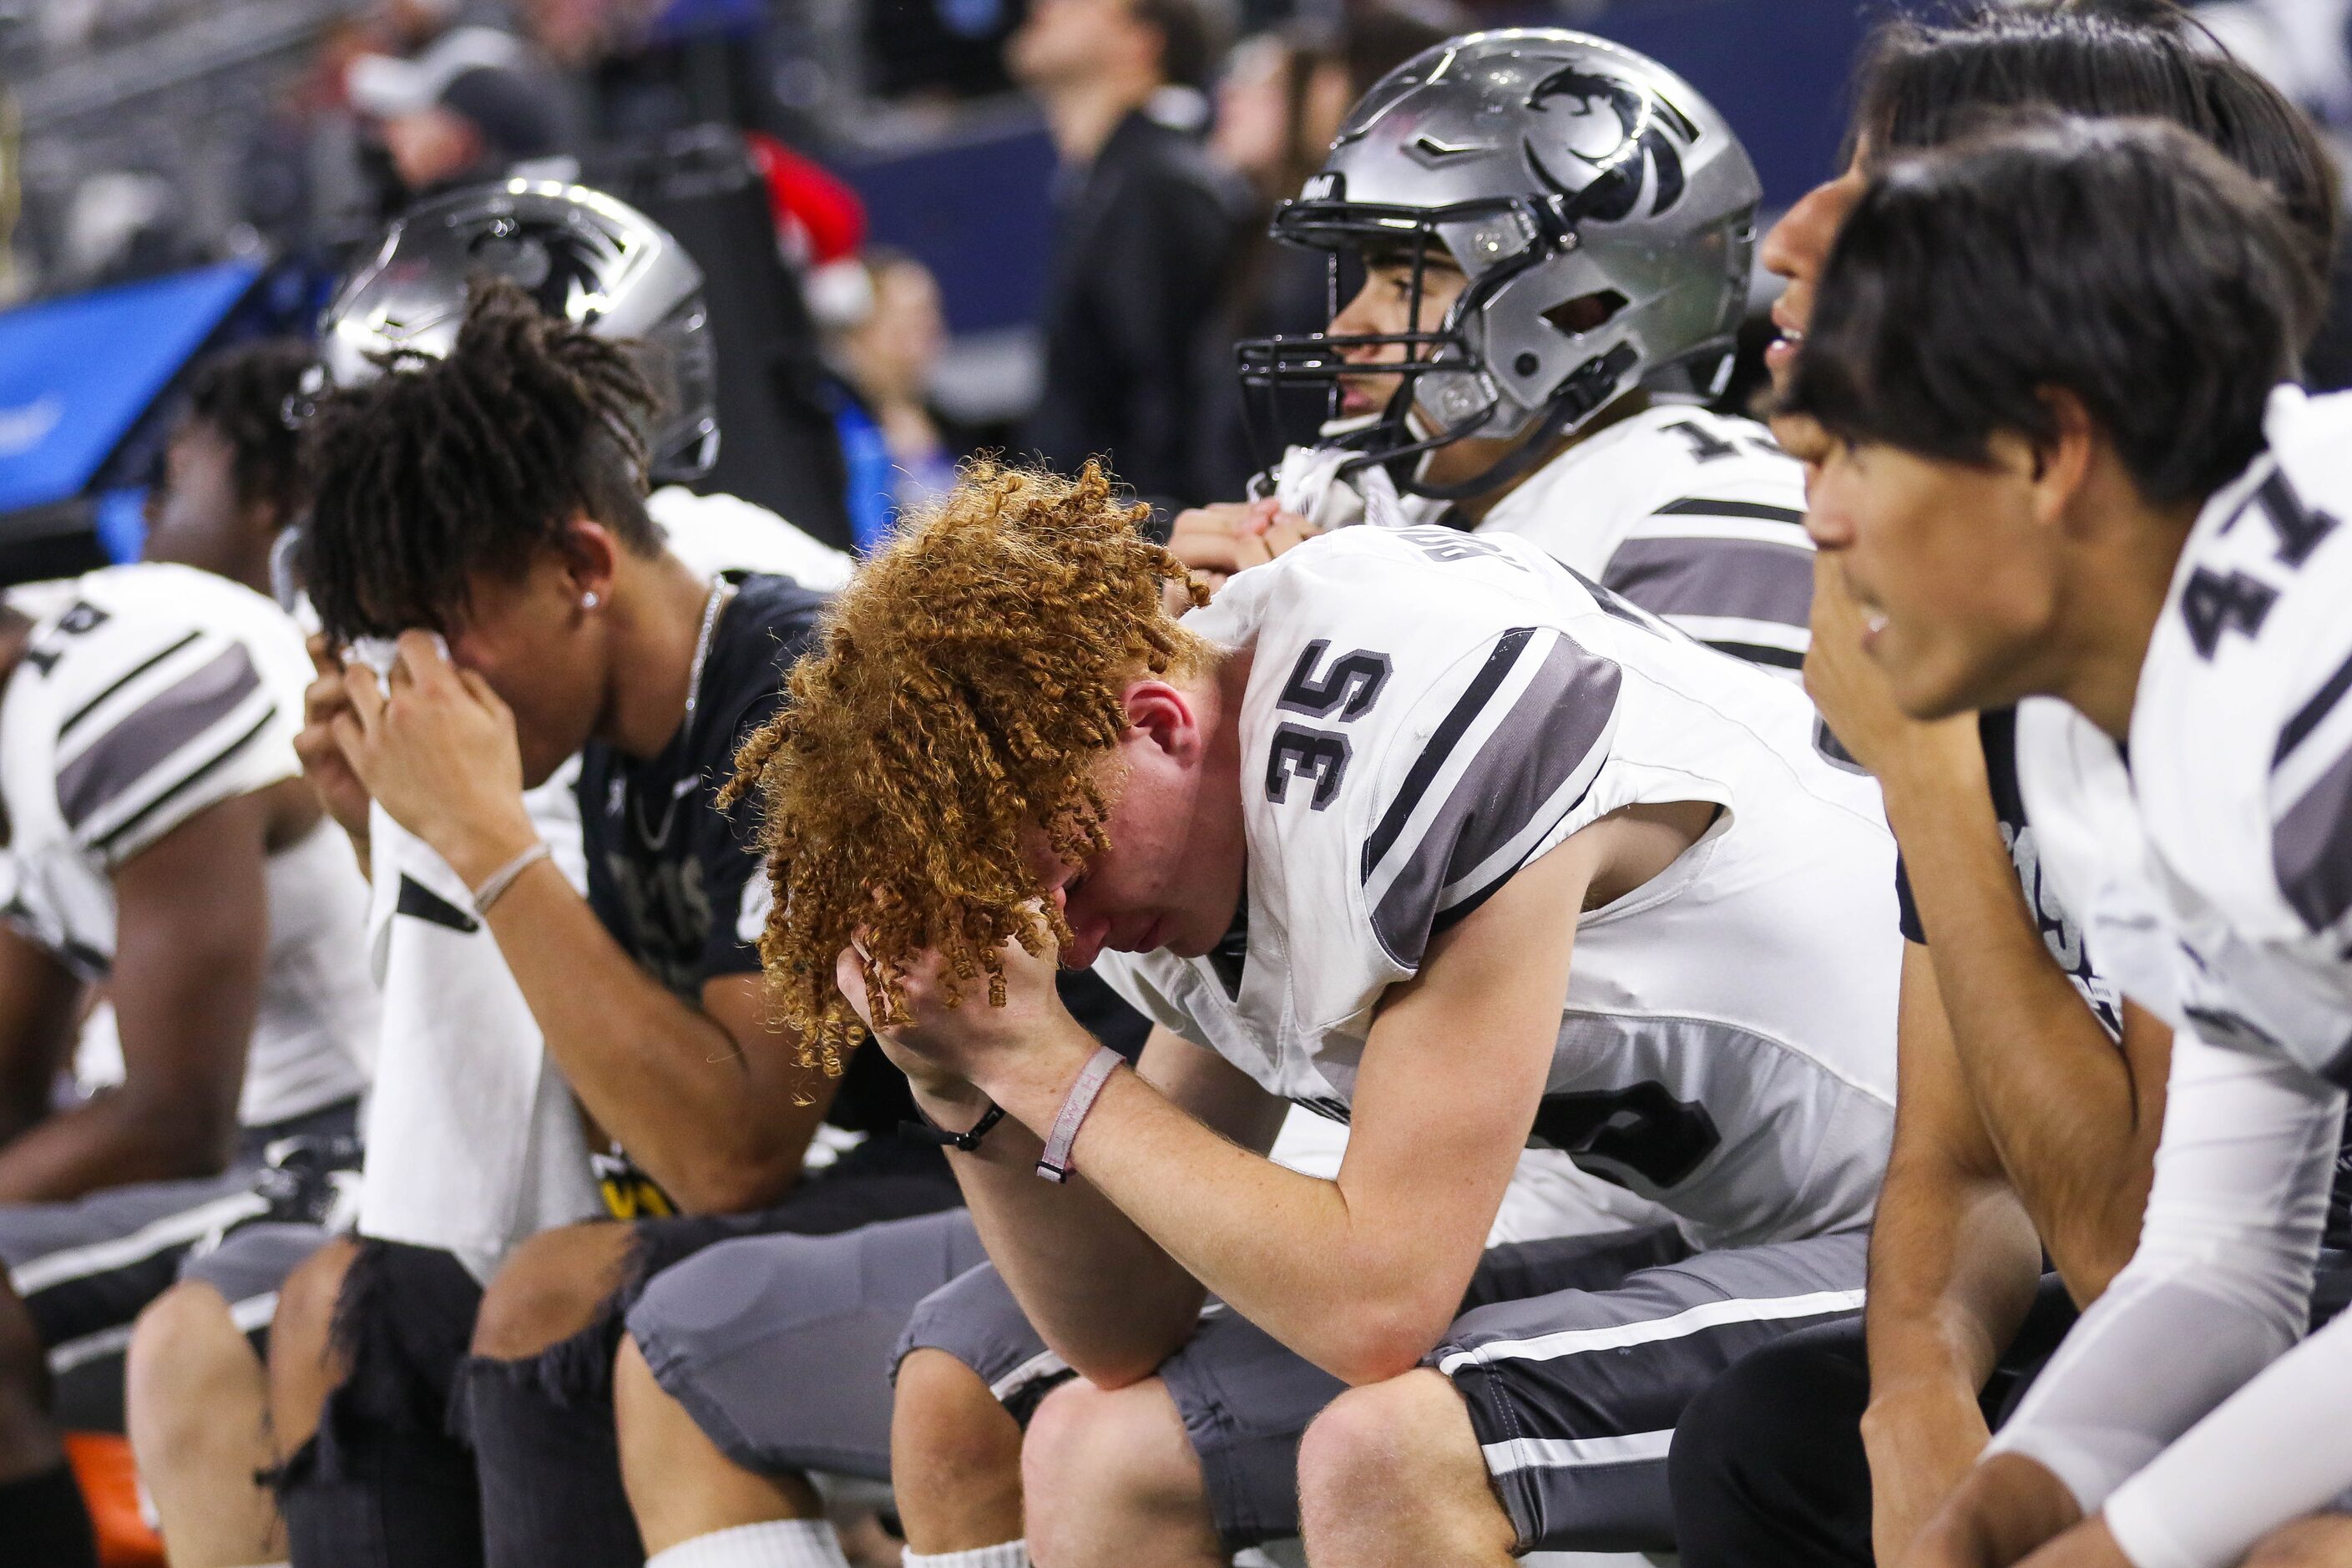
(1574,1357)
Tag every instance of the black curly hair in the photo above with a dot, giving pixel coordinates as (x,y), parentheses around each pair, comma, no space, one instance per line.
(444,470)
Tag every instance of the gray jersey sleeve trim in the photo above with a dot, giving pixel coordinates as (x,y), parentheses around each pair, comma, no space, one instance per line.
(2311,849)
(1715,577)
(1531,771)
(119,761)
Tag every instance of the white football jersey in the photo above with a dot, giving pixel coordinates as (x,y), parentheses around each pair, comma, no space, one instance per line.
(2216,865)
(2242,748)
(1427,711)
(1697,517)
(146,694)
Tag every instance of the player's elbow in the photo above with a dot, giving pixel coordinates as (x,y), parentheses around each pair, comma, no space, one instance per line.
(1378,1340)
(723,1181)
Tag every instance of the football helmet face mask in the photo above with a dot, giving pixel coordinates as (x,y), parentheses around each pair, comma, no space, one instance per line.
(583,256)
(1602,213)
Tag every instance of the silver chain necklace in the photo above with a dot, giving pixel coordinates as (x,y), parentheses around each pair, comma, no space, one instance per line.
(655,838)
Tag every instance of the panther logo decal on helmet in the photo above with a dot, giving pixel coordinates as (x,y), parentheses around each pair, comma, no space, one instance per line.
(1642,143)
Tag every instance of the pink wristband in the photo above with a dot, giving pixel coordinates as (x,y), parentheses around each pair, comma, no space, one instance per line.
(1053,1164)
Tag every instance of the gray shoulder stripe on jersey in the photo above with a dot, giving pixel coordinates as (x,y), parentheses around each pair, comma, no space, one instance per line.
(147,737)
(1483,686)
(133,673)
(2298,729)
(114,835)
(1715,577)
(1535,765)
(1695,506)
(2311,849)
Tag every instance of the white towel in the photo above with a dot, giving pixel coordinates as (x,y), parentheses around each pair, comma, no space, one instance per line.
(1307,484)
(474,1141)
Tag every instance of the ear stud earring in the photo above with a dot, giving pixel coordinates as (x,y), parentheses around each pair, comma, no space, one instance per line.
(588,601)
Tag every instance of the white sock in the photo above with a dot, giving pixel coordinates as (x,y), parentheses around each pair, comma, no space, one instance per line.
(778,1544)
(1007,1555)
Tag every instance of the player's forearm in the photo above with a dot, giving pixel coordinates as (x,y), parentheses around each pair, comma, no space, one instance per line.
(1953,1266)
(659,1076)
(111,1139)
(2059,1101)
(1362,1294)
(1102,1294)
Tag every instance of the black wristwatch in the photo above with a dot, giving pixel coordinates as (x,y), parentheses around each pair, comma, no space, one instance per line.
(930,1132)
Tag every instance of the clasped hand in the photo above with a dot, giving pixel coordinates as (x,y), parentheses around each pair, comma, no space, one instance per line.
(946,1048)
(432,744)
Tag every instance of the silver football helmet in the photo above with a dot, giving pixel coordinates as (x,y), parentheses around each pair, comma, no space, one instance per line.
(1603,213)
(583,255)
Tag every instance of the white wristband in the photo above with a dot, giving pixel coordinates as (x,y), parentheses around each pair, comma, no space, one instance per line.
(499,881)
(1053,1164)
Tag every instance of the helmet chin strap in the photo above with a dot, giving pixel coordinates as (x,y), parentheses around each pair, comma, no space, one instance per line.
(1591,385)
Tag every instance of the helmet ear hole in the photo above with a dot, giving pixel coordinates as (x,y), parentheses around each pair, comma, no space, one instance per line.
(1586,312)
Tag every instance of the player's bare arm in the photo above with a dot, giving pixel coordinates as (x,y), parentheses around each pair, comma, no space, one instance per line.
(40,1002)
(192,944)
(1360,1275)
(1953,1266)
(1102,1293)
(713,1102)
(2074,1120)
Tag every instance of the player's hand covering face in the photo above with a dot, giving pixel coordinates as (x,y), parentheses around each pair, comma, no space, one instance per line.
(437,749)
(949,1032)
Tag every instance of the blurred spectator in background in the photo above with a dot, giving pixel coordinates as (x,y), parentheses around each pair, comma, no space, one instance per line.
(1279,104)
(644,69)
(901,451)
(1146,233)
(468,106)
(937,48)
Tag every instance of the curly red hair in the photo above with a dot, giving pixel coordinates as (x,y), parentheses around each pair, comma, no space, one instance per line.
(966,692)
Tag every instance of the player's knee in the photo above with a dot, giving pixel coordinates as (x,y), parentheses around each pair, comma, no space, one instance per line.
(1095,1460)
(1366,1453)
(1769,1412)
(184,1348)
(305,1319)
(302,1363)
(2322,1540)
(553,1287)
(945,1425)
(645,1418)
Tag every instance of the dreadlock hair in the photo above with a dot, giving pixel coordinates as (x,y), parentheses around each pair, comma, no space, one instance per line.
(441,470)
(966,689)
(242,393)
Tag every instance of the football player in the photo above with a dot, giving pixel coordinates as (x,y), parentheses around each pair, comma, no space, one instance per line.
(160,850)
(2062,463)
(1553,237)
(284,1012)
(1337,835)
(2031,1095)
(569,628)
